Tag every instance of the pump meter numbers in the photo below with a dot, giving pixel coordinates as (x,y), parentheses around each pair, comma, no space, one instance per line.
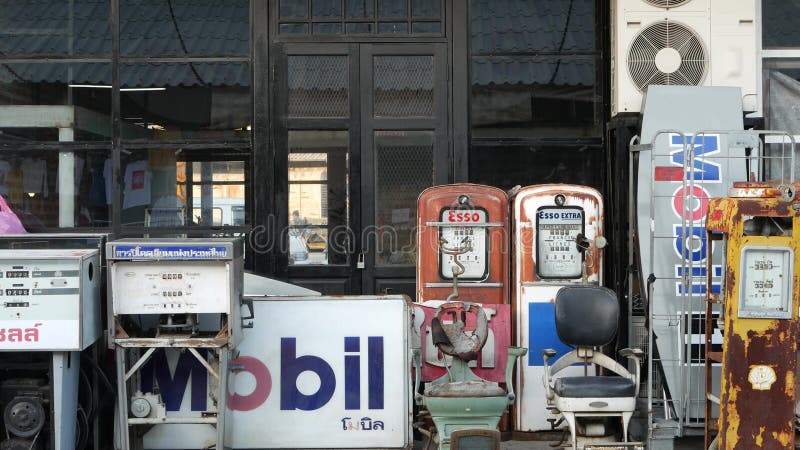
(766,282)
(471,237)
(557,255)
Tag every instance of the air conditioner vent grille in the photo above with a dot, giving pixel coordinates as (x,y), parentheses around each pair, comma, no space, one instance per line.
(668,53)
(667,3)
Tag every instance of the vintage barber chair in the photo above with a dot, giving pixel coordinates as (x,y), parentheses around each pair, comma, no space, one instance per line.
(586,319)
(460,400)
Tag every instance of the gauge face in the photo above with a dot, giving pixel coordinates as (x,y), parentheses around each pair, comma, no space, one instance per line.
(557,255)
(466,236)
(765,290)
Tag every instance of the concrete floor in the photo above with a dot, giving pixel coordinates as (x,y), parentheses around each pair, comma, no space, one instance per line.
(686,443)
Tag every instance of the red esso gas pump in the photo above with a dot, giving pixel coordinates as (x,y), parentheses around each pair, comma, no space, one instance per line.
(557,241)
(462,233)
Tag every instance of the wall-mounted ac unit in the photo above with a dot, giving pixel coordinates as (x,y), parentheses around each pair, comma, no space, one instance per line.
(683,42)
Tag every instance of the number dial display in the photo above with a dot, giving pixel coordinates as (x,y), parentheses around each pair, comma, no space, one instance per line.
(765,290)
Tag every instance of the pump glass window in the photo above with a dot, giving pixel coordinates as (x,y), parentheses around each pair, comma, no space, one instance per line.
(468,240)
(318,197)
(557,254)
(765,290)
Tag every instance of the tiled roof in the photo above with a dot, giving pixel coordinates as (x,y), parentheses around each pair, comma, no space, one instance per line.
(207,28)
(502,29)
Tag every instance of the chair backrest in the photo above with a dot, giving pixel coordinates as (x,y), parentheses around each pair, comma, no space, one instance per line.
(586,316)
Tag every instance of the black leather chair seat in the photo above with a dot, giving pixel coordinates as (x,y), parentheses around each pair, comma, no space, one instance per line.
(582,387)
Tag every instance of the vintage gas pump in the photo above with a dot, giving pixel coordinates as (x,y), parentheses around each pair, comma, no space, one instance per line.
(50,313)
(471,220)
(759,225)
(463,234)
(463,318)
(557,241)
(174,303)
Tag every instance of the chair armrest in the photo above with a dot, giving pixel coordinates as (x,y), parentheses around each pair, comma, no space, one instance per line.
(417,361)
(631,352)
(513,354)
(634,354)
(547,354)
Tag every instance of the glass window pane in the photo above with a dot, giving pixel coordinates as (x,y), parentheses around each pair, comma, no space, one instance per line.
(403,86)
(426,8)
(532,26)
(319,198)
(426,27)
(77,27)
(36,183)
(326,9)
(169,101)
(158,184)
(392,8)
(393,27)
(318,86)
(55,102)
(360,9)
(327,28)
(784,96)
(294,28)
(780,23)
(184,27)
(511,165)
(527,96)
(404,168)
(293,9)
(359,28)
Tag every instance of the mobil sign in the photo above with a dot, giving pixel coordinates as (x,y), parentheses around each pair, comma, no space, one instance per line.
(313,372)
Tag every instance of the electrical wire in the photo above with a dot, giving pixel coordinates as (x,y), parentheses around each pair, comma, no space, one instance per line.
(563,40)
(183,44)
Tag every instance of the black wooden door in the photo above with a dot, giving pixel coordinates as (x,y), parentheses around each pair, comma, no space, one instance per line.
(362,131)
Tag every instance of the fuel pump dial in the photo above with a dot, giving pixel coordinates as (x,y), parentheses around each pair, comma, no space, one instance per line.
(766,282)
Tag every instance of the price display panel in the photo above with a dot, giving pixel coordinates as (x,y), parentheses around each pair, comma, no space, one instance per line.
(557,255)
(765,290)
(470,232)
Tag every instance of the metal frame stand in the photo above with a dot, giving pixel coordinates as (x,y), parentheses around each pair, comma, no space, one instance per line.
(126,372)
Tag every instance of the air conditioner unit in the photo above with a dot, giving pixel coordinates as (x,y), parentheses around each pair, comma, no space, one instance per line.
(683,42)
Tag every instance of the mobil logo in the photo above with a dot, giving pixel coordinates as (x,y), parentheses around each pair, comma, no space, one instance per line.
(700,179)
(299,381)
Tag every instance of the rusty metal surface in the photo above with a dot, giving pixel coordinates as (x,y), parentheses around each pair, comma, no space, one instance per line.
(166,341)
(493,289)
(756,414)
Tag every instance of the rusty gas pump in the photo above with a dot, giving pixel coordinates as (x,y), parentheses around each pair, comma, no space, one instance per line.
(759,225)
(473,220)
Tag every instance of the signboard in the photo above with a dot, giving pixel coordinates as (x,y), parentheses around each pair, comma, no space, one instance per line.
(475,260)
(322,372)
(491,362)
(313,372)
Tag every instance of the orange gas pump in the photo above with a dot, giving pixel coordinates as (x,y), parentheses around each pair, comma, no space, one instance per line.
(463,237)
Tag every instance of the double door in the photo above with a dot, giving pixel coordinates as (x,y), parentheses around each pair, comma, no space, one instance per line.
(363,128)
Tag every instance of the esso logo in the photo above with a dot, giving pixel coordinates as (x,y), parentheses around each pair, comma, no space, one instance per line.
(455,216)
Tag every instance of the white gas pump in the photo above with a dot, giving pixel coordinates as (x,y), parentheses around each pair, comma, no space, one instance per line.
(50,313)
(557,242)
(170,300)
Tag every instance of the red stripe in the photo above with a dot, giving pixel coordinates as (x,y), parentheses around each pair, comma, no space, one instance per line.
(669,173)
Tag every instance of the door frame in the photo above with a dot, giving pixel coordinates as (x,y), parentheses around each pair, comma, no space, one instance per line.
(373,274)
